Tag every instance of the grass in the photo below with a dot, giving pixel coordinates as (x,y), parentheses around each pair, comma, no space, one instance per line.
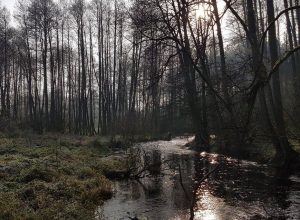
(54,177)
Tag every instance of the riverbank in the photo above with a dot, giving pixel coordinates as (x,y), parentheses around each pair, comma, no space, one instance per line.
(54,176)
(261,150)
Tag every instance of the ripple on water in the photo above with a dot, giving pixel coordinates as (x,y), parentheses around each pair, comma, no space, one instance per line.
(238,190)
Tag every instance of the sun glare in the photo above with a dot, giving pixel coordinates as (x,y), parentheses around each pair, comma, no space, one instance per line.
(204,10)
(201,12)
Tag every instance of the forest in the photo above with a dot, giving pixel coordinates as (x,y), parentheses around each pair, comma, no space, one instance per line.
(105,104)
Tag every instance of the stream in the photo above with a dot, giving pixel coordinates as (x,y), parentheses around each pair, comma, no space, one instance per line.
(175,189)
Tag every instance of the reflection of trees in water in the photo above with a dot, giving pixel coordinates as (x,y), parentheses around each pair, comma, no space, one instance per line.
(164,181)
(170,191)
(240,185)
(203,170)
(236,183)
(135,191)
(180,197)
(279,187)
(153,161)
(183,181)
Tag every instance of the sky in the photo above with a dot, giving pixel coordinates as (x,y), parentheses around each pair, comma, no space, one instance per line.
(9,4)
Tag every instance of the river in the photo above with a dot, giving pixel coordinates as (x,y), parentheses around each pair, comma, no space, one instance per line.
(175,189)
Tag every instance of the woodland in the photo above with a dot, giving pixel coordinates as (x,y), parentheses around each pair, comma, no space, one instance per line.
(85,78)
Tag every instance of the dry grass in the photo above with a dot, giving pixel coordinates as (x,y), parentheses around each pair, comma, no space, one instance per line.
(53,177)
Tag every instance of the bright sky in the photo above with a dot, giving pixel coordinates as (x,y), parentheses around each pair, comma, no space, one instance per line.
(9,4)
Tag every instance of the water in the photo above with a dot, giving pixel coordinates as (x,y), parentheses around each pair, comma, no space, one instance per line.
(174,188)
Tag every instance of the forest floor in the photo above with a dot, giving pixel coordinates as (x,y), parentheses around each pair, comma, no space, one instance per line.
(55,177)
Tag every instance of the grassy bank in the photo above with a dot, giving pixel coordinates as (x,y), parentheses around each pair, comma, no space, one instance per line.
(54,177)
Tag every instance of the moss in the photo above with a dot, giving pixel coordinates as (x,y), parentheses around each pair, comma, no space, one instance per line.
(115,168)
(49,177)
(95,143)
(37,173)
(95,190)
(295,144)
(86,173)
(12,208)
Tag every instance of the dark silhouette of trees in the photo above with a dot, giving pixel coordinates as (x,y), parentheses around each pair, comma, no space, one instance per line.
(109,67)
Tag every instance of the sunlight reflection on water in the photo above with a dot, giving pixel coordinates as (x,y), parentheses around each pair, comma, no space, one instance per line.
(207,206)
(233,192)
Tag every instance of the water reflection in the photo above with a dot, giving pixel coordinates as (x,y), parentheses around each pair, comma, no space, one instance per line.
(174,188)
